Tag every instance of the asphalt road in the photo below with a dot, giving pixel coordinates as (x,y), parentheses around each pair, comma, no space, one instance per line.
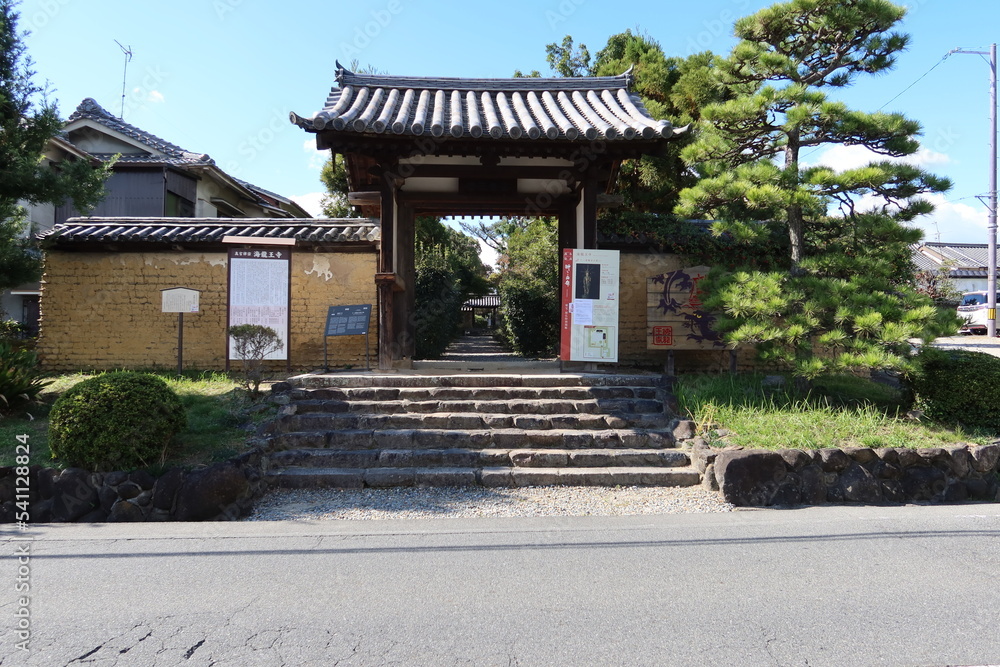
(813,586)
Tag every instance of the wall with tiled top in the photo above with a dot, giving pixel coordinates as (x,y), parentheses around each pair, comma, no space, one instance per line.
(102,310)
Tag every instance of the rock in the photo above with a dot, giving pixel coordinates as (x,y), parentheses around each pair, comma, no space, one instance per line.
(923,483)
(789,491)
(984,459)
(708,481)
(47,482)
(698,442)
(909,458)
(166,488)
(861,454)
(795,458)
(813,484)
(107,496)
(94,516)
(115,478)
(684,429)
(956,492)
(210,493)
(834,460)
(978,489)
(142,500)
(888,454)
(859,485)
(885,470)
(749,478)
(128,490)
(143,479)
(280,387)
(7,488)
(935,456)
(892,491)
(702,457)
(73,496)
(960,460)
(41,511)
(126,511)
(281,399)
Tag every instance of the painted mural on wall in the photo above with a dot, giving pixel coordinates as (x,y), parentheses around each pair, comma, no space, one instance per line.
(675,318)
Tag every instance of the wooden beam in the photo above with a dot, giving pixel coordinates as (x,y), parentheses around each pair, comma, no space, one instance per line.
(567,173)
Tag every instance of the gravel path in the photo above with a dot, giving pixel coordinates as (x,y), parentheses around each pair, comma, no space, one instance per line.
(469,502)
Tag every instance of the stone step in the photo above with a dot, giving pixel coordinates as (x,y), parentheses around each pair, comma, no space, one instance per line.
(500,393)
(479,458)
(315,380)
(500,438)
(509,406)
(320,421)
(497,476)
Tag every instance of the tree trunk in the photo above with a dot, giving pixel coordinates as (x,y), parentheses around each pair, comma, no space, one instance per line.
(796,234)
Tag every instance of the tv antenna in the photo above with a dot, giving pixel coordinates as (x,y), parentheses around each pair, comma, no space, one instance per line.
(128,58)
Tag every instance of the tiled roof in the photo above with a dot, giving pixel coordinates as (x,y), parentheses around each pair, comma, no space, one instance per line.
(210,230)
(488,301)
(575,108)
(961,255)
(91,110)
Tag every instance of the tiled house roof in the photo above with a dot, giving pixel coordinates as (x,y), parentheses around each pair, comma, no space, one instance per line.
(565,109)
(964,260)
(310,231)
(91,110)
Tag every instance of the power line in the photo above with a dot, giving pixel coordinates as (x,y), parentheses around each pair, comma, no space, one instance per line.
(945,57)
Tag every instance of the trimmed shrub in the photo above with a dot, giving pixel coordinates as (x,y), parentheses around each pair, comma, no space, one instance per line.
(438,310)
(20,379)
(115,421)
(958,387)
(253,342)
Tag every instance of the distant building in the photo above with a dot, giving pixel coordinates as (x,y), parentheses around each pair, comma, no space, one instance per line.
(966,263)
(152,178)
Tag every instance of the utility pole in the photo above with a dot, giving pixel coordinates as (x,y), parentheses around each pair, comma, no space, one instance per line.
(991,227)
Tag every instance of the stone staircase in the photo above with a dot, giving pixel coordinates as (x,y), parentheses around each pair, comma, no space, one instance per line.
(499,430)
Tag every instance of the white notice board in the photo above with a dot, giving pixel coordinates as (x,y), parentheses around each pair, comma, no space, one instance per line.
(259,292)
(590,305)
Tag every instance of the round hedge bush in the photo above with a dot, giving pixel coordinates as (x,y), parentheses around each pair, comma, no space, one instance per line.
(115,421)
(958,387)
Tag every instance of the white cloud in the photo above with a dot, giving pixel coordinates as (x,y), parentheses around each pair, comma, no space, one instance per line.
(955,222)
(311,202)
(317,158)
(842,157)
(155,96)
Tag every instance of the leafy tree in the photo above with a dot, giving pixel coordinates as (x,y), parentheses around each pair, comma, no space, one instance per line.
(334,177)
(845,293)
(567,60)
(253,342)
(28,120)
(527,284)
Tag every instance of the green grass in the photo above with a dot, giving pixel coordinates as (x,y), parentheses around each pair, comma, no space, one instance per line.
(220,417)
(841,411)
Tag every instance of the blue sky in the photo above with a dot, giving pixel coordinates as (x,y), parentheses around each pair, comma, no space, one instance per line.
(220,76)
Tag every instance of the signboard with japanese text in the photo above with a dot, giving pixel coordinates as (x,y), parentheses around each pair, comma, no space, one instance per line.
(348,320)
(590,296)
(259,292)
(675,318)
(179,300)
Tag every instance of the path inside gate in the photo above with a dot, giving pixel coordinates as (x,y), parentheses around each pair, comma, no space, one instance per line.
(480,352)
(478,347)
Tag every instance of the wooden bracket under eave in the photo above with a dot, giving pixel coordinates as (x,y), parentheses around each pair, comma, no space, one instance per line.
(398,285)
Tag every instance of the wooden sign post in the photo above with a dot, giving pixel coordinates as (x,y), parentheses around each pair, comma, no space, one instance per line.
(180,300)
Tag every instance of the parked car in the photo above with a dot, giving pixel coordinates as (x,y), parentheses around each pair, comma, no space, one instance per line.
(973,309)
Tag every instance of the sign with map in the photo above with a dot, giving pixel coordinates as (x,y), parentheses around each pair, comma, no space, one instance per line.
(590,299)
(675,318)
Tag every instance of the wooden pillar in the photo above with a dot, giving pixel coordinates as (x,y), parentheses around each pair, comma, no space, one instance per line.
(405,301)
(385,278)
(589,214)
(567,224)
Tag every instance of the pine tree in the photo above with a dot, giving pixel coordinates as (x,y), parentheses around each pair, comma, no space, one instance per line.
(844,302)
(27,122)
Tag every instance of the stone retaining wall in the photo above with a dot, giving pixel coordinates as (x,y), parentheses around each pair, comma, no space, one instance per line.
(220,492)
(760,478)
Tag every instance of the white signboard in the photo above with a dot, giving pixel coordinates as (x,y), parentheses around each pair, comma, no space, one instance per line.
(180,300)
(590,305)
(259,292)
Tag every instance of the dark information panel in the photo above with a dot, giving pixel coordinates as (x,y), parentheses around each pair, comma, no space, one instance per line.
(348,320)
